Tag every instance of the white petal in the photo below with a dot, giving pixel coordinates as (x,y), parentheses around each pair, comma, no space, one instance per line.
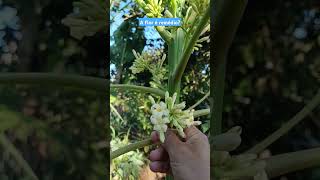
(153,120)
(166,120)
(174,97)
(162,137)
(181,105)
(165,112)
(164,127)
(163,105)
(156,128)
(181,133)
(156,107)
(152,100)
(157,114)
(167,95)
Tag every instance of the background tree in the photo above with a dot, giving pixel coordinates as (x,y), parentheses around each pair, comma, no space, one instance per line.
(52,131)
(271,74)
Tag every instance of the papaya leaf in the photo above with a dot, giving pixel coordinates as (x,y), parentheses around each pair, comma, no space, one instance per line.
(7,119)
(88,18)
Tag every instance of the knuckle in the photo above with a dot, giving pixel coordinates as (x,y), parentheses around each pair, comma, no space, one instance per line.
(204,138)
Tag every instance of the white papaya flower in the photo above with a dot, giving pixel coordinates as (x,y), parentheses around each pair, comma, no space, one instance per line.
(160,108)
(168,113)
(152,8)
(161,128)
(159,117)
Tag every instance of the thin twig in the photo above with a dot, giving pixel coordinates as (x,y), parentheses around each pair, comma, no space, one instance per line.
(138,88)
(200,101)
(116,112)
(287,126)
(9,147)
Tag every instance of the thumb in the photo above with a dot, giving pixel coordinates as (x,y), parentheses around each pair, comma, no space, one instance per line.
(192,132)
(197,139)
(171,142)
(194,135)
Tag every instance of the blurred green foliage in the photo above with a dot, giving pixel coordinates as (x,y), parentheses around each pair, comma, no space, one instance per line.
(88,18)
(273,70)
(59,131)
(126,166)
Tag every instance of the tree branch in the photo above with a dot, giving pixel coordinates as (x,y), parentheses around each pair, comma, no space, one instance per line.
(90,83)
(200,101)
(138,88)
(287,126)
(130,147)
(291,162)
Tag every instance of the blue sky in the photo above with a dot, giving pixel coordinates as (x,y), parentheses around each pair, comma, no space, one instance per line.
(149,32)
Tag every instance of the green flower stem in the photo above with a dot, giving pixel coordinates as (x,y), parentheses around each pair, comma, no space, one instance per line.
(175,49)
(90,83)
(179,70)
(291,162)
(131,147)
(218,94)
(287,126)
(225,142)
(227,17)
(148,142)
(138,88)
(9,147)
(202,112)
(166,35)
(200,101)
(282,164)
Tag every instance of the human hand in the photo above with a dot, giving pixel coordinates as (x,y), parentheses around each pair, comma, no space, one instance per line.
(187,159)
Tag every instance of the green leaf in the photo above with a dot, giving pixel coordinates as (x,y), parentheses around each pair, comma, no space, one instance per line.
(7,119)
(205,127)
(113,109)
(89,18)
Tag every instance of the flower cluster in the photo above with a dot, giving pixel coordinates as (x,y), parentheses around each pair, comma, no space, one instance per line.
(141,62)
(9,34)
(152,8)
(152,61)
(8,17)
(87,18)
(190,11)
(172,114)
(199,5)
